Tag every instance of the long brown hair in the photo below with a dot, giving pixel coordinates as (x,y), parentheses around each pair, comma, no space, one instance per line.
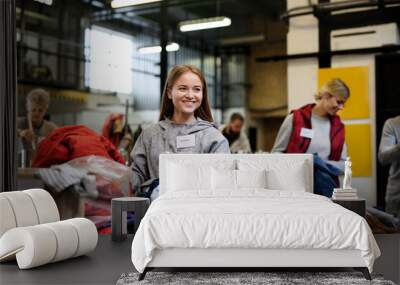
(167,107)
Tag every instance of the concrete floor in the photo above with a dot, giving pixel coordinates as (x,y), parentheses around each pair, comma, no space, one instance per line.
(110,259)
(389,263)
(102,266)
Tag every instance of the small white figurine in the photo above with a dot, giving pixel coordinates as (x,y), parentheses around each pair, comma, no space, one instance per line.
(347,174)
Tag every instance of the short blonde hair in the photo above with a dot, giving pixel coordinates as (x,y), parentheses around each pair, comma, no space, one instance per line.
(39,97)
(335,87)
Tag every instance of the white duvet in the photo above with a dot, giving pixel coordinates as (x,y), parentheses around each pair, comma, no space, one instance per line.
(252,218)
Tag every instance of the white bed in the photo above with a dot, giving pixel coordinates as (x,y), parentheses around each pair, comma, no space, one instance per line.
(247,210)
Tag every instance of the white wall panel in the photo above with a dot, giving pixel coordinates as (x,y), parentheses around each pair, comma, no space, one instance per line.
(302,82)
(302,73)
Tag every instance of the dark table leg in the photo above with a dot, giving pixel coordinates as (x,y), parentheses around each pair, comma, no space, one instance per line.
(117,218)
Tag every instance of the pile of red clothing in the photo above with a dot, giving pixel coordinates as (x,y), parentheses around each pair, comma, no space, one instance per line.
(66,143)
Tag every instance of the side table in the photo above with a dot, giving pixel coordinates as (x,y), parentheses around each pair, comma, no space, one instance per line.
(355,205)
(119,209)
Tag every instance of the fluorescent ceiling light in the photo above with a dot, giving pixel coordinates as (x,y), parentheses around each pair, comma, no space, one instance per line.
(147,50)
(47,2)
(206,23)
(157,49)
(125,3)
(172,47)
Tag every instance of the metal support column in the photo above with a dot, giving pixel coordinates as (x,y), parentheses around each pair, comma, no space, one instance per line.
(324,38)
(40,39)
(78,51)
(215,82)
(21,51)
(202,51)
(163,44)
(8,97)
(221,85)
(60,27)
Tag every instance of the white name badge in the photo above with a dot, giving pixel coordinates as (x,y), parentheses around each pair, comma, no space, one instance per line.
(185,141)
(307,133)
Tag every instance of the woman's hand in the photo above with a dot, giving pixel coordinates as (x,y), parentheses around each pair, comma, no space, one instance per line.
(27,135)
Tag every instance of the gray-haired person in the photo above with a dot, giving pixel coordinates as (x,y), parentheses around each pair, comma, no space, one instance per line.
(389,154)
(33,128)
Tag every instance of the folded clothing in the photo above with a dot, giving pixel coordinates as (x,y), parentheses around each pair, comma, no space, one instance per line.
(60,177)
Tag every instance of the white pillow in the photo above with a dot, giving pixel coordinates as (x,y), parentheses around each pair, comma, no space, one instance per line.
(185,174)
(281,174)
(187,177)
(223,179)
(251,178)
(292,180)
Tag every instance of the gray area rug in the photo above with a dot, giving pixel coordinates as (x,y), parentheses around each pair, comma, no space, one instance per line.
(226,278)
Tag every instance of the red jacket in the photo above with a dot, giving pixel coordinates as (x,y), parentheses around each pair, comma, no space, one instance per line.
(66,143)
(302,119)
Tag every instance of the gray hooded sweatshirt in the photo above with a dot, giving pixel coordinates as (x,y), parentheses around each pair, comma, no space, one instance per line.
(162,138)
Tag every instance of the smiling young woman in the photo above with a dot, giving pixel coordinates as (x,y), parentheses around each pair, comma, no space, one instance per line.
(185,94)
(185,126)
